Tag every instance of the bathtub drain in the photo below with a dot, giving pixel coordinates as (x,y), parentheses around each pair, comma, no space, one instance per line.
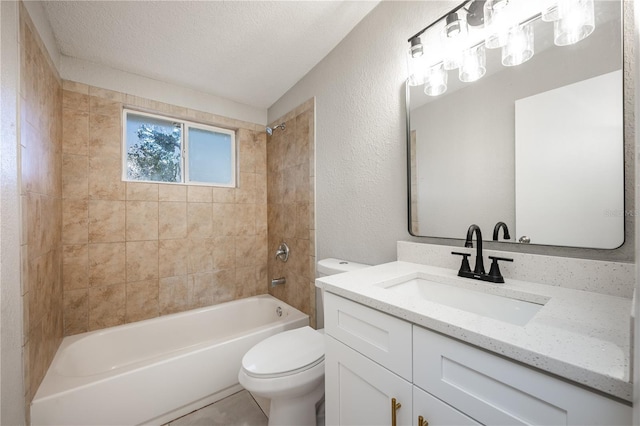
(279,311)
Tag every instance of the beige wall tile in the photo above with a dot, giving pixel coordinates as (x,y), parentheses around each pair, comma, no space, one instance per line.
(261,189)
(199,194)
(247,151)
(142,220)
(103,106)
(201,289)
(76,311)
(172,192)
(223,252)
(142,260)
(105,136)
(261,219)
(245,251)
(246,193)
(260,146)
(200,256)
(173,295)
(197,237)
(224,220)
(245,219)
(142,191)
(172,220)
(106,306)
(75,266)
(199,220)
(75,221)
(246,282)
(142,300)
(106,264)
(105,175)
(75,176)
(224,285)
(302,221)
(173,257)
(106,221)
(75,100)
(75,131)
(224,195)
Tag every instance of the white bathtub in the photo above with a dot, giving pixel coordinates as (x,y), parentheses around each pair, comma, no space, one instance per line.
(153,371)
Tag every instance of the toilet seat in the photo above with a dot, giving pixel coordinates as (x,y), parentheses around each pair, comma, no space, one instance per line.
(285,354)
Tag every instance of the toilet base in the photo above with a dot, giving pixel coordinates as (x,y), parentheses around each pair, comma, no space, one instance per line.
(298,411)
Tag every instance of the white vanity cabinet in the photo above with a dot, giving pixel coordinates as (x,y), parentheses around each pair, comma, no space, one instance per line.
(372,358)
(367,365)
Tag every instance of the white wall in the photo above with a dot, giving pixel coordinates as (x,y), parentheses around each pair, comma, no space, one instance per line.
(361,188)
(11,385)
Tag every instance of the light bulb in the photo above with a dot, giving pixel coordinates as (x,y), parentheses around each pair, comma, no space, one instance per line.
(453,37)
(473,65)
(436,80)
(497,22)
(576,21)
(415,68)
(519,47)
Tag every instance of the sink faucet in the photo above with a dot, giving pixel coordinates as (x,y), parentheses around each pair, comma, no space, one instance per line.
(478,273)
(479,269)
(496,230)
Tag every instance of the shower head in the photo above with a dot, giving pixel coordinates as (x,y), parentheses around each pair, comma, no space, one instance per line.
(279,126)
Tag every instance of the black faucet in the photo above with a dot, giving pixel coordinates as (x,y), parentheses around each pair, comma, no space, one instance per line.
(479,269)
(496,229)
(478,273)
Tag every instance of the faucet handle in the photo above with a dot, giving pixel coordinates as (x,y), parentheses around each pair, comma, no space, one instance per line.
(465,268)
(494,273)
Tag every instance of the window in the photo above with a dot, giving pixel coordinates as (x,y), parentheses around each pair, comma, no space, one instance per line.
(162,149)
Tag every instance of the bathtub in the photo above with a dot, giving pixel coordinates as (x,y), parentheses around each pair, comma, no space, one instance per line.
(153,371)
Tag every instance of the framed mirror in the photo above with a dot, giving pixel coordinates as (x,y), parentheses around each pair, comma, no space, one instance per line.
(538,146)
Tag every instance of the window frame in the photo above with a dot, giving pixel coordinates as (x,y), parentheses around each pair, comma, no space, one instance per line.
(185,125)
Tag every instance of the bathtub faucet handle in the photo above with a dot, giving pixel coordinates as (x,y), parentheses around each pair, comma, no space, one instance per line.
(283,252)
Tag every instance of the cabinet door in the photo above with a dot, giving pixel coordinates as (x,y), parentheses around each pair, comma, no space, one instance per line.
(436,412)
(360,392)
(497,391)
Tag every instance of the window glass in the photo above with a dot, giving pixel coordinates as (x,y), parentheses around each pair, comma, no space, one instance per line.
(153,149)
(210,157)
(163,149)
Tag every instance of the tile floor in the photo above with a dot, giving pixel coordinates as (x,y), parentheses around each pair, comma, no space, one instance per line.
(239,409)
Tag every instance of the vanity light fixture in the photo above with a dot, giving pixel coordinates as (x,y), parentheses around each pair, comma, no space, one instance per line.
(469,29)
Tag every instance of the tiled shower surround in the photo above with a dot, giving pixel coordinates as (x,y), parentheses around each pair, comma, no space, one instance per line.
(134,251)
(290,159)
(41,198)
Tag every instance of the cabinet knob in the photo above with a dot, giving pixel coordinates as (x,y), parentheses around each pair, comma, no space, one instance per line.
(422,421)
(394,408)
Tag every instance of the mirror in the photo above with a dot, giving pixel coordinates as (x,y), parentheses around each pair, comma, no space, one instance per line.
(538,146)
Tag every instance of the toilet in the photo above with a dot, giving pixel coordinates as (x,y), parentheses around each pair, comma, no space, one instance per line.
(288,368)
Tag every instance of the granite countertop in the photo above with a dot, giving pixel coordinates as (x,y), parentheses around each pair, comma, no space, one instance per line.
(578,335)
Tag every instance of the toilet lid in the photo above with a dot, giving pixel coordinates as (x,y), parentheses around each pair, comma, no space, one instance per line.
(285,353)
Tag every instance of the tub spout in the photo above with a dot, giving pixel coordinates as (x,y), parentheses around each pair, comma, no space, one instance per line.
(278,281)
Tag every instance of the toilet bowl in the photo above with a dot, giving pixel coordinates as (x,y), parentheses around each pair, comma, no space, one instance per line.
(288,368)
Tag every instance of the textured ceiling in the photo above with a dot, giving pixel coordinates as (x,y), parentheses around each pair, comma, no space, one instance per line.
(248,51)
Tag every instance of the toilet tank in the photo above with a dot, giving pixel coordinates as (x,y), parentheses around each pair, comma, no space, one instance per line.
(331,266)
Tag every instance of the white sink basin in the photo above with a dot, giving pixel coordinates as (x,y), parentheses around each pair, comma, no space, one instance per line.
(507,309)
